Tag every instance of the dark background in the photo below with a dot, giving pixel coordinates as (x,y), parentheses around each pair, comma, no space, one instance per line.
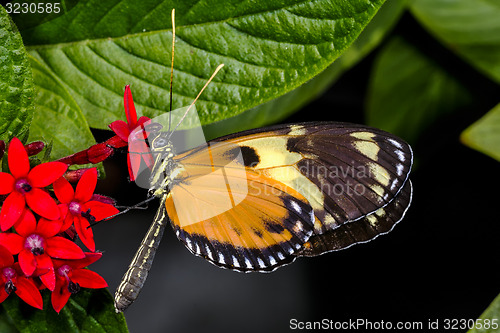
(440,262)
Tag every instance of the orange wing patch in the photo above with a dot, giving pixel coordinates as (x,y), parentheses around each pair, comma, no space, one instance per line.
(268,225)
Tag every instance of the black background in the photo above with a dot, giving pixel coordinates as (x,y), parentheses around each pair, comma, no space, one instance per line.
(440,262)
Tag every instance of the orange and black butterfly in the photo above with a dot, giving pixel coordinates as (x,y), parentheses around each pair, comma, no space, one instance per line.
(256,200)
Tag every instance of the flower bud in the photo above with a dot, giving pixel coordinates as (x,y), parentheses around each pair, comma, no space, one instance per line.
(34,147)
(103,199)
(99,152)
(73,176)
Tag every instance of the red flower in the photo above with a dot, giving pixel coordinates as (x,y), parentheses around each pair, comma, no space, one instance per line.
(138,147)
(83,206)
(36,243)
(71,276)
(13,280)
(121,128)
(24,186)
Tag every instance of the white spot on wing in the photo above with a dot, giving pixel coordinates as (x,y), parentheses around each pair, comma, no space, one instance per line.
(395,143)
(311,215)
(399,169)
(235,262)
(209,252)
(261,263)
(401,155)
(296,207)
(221,259)
(248,263)
(188,243)
(394,184)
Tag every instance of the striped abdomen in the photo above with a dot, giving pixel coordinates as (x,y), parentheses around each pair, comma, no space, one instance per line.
(137,272)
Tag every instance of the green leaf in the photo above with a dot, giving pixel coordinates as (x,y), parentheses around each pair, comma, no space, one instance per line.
(57,118)
(16,82)
(408,92)
(469,28)
(484,134)
(281,107)
(268,48)
(489,319)
(87,311)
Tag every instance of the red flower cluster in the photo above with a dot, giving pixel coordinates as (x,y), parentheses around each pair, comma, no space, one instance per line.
(37,248)
(35,229)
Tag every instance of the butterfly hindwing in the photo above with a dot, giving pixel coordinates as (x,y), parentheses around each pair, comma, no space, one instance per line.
(263,231)
(365,229)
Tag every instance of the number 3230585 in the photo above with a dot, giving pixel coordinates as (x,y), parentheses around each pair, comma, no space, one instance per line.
(33,8)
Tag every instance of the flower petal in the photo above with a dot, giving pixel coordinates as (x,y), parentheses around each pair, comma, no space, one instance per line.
(128,103)
(26,224)
(12,209)
(48,228)
(68,221)
(27,262)
(121,129)
(62,248)
(90,258)
(19,164)
(49,279)
(86,186)
(28,292)
(43,264)
(88,279)
(6,183)
(60,295)
(6,258)
(46,173)
(42,204)
(100,210)
(85,233)
(63,190)
(143,120)
(13,242)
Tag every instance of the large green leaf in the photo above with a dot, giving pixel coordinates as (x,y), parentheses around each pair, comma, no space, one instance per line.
(489,321)
(408,91)
(16,82)
(87,311)
(281,107)
(57,118)
(469,28)
(484,134)
(269,48)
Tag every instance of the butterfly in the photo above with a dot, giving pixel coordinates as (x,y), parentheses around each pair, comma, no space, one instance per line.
(258,199)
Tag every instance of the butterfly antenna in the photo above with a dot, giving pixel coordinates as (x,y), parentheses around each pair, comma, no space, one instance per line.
(129,208)
(199,94)
(172,69)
